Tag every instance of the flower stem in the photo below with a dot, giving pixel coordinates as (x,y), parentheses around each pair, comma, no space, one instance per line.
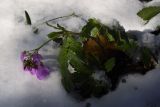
(51,25)
(37,49)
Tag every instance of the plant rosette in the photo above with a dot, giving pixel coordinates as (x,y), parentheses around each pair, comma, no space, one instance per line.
(91,61)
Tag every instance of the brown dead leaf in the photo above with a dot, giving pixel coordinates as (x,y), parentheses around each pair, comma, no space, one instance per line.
(99,47)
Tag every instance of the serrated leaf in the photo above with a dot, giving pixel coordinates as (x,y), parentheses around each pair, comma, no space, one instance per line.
(109,65)
(66,76)
(69,48)
(28,20)
(148,13)
(79,65)
(63,61)
(75,46)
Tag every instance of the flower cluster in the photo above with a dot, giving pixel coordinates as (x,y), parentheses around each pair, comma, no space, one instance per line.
(32,63)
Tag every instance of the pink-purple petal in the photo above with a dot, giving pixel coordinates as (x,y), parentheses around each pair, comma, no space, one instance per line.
(23,56)
(27,68)
(36,57)
(33,71)
(42,72)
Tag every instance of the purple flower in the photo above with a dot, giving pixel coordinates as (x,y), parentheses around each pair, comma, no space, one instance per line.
(32,63)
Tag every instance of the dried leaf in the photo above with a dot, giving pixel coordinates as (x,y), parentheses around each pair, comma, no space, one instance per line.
(28,20)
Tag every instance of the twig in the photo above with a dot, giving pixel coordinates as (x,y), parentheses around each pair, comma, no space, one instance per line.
(60,17)
(73,14)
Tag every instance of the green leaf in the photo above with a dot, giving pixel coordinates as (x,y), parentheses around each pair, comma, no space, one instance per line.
(128,47)
(63,61)
(28,20)
(56,37)
(69,48)
(86,30)
(94,32)
(110,37)
(66,76)
(61,27)
(54,34)
(147,55)
(109,65)
(148,13)
(79,65)
(118,33)
(115,34)
(75,46)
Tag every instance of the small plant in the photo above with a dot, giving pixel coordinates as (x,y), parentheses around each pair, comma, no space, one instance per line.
(93,60)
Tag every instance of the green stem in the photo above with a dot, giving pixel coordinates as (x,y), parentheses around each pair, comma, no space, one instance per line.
(37,49)
(64,30)
(74,33)
(51,25)
(73,14)
(61,17)
(56,19)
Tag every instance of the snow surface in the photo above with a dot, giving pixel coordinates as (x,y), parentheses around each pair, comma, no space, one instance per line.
(20,89)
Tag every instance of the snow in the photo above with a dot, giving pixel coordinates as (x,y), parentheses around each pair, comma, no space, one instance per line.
(20,89)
